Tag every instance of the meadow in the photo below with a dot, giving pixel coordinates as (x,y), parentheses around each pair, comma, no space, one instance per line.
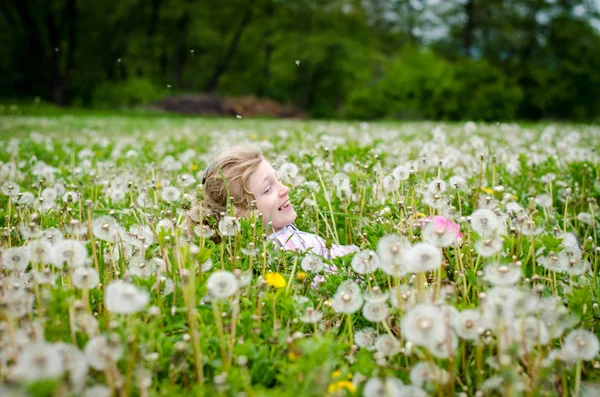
(105,292)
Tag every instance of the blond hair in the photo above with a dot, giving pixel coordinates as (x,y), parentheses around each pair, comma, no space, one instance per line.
(226,182)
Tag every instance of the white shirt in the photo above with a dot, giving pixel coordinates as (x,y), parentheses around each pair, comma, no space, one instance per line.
(290,238)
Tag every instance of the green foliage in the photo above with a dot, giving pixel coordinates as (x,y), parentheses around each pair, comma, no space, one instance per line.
(354,59)
(127,93)
(421,85)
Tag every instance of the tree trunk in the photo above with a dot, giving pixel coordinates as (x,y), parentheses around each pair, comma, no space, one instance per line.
(61,75)
(180,50)
(270,9)
(468,32)
(223,62)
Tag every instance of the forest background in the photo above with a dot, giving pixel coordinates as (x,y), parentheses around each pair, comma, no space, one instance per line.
(354,59)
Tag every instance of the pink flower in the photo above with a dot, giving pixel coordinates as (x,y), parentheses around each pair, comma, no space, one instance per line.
(440,231)
(446,224)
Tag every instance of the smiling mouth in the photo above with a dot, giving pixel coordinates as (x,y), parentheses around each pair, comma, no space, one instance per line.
(285,205)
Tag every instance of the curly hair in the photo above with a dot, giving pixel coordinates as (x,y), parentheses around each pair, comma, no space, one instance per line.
(226,182)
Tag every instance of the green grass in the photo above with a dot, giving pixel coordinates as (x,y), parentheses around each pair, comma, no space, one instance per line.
(182,341)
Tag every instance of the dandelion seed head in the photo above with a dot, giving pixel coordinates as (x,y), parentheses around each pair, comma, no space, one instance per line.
(580,344)
(39,361)
(85,277)
(312,263)
(125,298)
(423,257)
(16,258)
(376,311)
(391,250)
(485,222)
(365,338)
(388,345)
(365,262)
(222,284)
(228,226)
(348,298)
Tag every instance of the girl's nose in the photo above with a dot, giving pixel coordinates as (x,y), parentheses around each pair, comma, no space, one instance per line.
(283,190)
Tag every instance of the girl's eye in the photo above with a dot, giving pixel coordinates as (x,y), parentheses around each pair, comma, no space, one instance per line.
(267,190)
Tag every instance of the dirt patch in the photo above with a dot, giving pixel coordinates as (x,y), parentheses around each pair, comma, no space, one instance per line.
(213,105)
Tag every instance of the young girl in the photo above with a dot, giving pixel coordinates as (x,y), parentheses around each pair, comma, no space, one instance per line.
(251,180)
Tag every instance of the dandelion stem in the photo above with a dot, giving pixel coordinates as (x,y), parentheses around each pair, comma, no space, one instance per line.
(578,378)
(219,323)
(349,324)
(287,289)
(328,200)
(234,317)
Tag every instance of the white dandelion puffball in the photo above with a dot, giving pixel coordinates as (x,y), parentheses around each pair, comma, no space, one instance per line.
(469,324)
(458,182)
(105,228)
(69,252)
(501,274)
(427,372)
(85,277)
(39,361)
(376,311)
(391,250)
(70,197)
(10,189)
(15,258)
(423,324)
(580,344)
(101,352)
(228,226)
(125,298)
(485,222)
(312,263)
(311,316)
(365,338)
(401,173)
(170,194)
(388,345)
(470,127)
(489,247)
(222,284)
(543,200)
(443,348)
(74,362)
(391,387)
(365,262)
(288,172)
(41,251)
(348,298)
(97,391)
(423,257)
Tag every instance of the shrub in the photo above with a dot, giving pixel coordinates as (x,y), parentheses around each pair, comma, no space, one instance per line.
(422,85)
(126,93)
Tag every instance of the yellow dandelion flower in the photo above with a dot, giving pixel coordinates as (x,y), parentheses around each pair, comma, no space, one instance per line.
(300,276)
(341,384)
(158,185)
(488,190)
(252,136)
(275,280)
(292,355)
(336,374)
(194,167)
(421,215)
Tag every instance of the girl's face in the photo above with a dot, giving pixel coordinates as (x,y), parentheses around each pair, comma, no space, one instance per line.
(271,197)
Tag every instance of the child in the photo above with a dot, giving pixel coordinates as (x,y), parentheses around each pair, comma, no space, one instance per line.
(251,180)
